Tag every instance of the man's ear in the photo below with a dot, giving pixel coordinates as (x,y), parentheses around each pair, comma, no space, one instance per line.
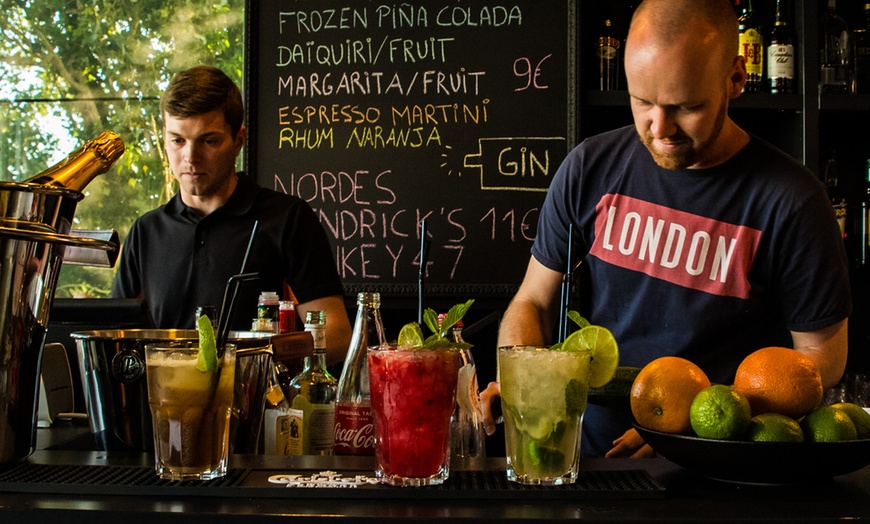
(737,78)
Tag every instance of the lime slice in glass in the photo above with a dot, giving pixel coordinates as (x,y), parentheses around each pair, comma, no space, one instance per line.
(206,360)
(605,353)
(411,334)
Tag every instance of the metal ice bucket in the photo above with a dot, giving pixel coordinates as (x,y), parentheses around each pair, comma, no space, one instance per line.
(34,226)
(112,368)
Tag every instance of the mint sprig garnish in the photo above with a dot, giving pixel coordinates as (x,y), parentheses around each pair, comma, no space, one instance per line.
(412,333)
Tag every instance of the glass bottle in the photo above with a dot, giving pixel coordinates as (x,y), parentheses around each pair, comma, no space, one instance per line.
(751,48)
(864,231)
(834,52)
(467,435)
(835,193)
(312,397)
(354,424)
(780,55)
(267,309)
(77,170)
(286,316)
(861,39)
(276,416)
(608,57)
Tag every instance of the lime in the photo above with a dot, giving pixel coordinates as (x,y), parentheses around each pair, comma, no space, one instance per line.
(206,360)
(411,334)
(774,427)
(828,424)
(720,412)
(858,416)
(599,341)
(549,458)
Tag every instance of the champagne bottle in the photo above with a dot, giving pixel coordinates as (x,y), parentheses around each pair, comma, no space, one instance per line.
(834,52)
(780,55)
(312,397)
(751,48)
(861,38)
(84,164)
(354,423)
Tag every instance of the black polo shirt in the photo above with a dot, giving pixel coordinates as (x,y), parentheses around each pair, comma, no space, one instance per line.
(177,260)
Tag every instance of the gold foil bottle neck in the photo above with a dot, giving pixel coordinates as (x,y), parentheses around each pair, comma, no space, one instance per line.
(78,169)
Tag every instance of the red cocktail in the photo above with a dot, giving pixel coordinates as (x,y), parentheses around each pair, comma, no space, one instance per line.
(413,394)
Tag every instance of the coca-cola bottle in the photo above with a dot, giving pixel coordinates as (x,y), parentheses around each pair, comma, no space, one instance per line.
(77,170)
(466,425)
(354,424)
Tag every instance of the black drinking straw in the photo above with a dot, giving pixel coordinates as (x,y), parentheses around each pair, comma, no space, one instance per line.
(421,275)
(226,313)
(565,300)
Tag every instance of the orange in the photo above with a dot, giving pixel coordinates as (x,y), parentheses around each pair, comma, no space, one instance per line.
(779,380)
(662,394)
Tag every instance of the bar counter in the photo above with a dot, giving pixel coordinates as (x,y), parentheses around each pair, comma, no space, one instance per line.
(611,490)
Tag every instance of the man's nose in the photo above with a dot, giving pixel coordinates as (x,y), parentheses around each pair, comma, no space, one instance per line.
(661,123)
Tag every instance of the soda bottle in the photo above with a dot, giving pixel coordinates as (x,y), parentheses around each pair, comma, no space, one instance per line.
(354,425)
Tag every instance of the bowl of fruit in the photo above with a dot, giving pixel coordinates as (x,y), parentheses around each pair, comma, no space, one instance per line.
(769,427)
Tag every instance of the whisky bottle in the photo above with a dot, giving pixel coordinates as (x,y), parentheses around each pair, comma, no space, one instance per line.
(312,397)
(861,72)
(835,193)
(608,57)
(752,49)
(354,422)
(834,52)
(84,164)
(780,55)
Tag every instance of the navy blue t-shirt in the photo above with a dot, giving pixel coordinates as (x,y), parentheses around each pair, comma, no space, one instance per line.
(706,264)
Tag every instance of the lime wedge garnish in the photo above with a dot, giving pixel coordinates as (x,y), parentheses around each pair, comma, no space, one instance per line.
(599,341)
(411,334)
(206,360)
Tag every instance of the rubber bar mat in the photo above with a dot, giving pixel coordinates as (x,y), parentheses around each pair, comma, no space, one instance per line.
(126,480)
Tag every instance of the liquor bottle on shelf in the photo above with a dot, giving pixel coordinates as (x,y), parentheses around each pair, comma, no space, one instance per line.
(861,71)
(780,55)
(835,193)
(354,422)
(751,48)
(467,438)
(276,415)
(608,50)
(863,255)
(312,397)
(835,53)
(81,166)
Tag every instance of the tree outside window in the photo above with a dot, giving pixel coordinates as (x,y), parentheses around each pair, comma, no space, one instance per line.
(70,70)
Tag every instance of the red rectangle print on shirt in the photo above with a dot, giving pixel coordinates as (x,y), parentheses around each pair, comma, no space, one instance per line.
(685,249)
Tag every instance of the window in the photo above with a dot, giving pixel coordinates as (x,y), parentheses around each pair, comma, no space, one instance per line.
(71,70)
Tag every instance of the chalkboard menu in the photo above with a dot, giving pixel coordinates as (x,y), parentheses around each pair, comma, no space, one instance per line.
(385,116)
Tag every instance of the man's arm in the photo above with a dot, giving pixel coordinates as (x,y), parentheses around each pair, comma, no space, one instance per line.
(531,315)
(338,328)
(828,347)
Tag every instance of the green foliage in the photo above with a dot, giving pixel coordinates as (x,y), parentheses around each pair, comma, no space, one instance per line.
(99,66)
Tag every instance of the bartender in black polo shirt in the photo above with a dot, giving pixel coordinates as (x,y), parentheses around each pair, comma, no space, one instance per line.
(181,255)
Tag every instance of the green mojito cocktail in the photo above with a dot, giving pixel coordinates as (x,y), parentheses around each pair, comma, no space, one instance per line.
(543,395)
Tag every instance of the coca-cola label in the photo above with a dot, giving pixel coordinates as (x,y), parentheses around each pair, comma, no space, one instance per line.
(354,430)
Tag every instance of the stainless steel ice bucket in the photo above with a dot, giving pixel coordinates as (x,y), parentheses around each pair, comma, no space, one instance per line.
(112,368)
(34,226)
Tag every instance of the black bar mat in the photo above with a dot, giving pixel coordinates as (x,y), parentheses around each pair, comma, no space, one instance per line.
(127,480)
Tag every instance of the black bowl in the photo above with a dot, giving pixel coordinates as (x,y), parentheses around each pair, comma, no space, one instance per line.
(760,462)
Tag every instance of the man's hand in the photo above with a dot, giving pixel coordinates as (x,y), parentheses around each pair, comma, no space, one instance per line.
(631,445)
(492,391)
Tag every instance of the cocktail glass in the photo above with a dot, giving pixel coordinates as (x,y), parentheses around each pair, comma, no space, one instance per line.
(190,410)
(413,392)
(543,396)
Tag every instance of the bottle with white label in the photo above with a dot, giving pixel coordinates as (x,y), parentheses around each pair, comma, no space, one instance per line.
(312,397)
